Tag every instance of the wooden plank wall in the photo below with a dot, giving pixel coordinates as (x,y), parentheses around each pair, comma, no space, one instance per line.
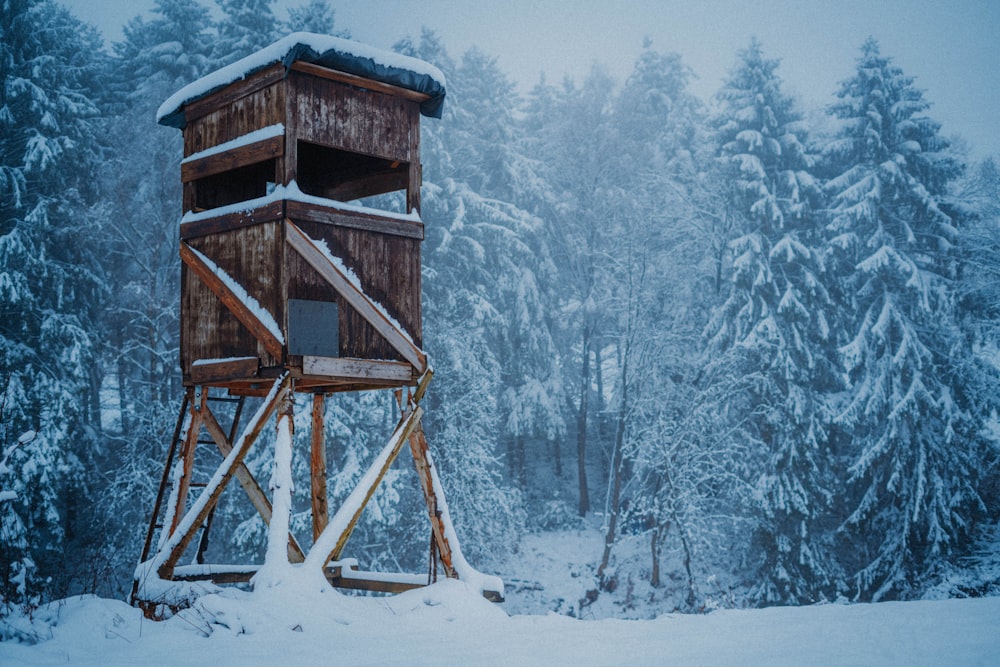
(252,257)
(329,113)
(364,121)
(259,102)
(247,106)
(388,267)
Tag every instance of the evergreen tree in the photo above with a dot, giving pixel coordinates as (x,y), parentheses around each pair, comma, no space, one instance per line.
(245,27)
(314,16)
(912,413)
(141,182)
(50,289)
(773,325)
(655,120)
(467,236)
(578,131)
(515,261)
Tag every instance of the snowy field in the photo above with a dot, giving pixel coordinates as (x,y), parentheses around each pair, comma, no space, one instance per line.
(446,624)
(304,621)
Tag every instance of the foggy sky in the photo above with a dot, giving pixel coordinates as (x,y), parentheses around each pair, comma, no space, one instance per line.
(951,48)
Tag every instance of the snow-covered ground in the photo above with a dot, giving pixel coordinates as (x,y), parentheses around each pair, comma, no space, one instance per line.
(303,621)
(446,624)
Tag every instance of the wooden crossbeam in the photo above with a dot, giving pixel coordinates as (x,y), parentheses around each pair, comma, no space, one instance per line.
(259,151)
(354,296)
(247,318)
(249,483)
(339,367)
(179,539)
(212,371)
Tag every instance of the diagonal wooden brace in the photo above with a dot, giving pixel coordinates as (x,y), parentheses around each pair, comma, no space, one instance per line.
(208,275)
(353,294)
(179,492)
(168,555)
(422,461)
(249,483)
(331,542)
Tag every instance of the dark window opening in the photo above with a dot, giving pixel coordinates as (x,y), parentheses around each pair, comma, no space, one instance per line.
(235,186)
(332,173)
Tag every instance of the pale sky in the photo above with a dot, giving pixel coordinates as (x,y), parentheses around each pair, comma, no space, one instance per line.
(952,47)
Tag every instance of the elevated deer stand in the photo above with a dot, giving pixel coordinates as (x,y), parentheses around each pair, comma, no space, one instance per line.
(285,288)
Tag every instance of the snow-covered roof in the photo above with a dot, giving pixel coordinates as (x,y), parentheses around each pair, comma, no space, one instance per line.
(333,52)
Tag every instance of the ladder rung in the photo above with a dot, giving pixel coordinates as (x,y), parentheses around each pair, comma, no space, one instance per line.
(224,399)
(198,485)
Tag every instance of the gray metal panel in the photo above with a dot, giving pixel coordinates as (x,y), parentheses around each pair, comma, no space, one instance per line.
(313,328)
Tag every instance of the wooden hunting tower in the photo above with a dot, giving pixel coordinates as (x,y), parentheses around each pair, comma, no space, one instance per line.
(286,287)
(271,150)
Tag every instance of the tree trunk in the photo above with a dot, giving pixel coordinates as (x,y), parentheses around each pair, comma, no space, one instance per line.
(657,534)
(123,405)
(599,379)
(522,466)
(685,543)
(557,456)
(581,426)
(617,472)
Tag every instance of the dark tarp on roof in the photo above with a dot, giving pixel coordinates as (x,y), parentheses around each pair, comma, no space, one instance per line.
(344,62)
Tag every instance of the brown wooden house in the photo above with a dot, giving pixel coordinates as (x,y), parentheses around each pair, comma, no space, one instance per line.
(278,271)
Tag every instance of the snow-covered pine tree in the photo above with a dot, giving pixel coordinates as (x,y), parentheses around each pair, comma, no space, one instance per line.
(314,16)
(464,315)
(516,262)
(773,326)
(655,120)
(910,415)
(979,192)
(575,143)
(50,289)
(244,27)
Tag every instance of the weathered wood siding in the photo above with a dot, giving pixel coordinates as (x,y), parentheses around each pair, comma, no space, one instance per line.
(364,121)
(252,257)
(260,102)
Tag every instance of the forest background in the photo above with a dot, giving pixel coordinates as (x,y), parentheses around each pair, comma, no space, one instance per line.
(763,341)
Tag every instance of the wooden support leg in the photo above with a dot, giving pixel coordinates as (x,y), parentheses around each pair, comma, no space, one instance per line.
(183,483)
(167,557)
(147,544)
(421,459)
(317,465)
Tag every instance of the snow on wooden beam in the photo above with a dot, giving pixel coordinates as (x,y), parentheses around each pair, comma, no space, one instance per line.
(336,368)
(245,308)
(195,167)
